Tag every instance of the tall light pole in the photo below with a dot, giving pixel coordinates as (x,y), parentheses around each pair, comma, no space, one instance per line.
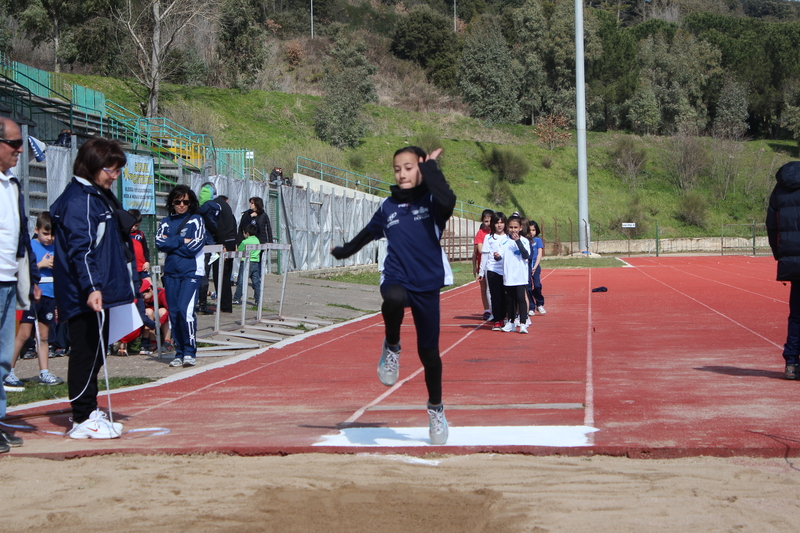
(580,104)
(455,28)
(312,19)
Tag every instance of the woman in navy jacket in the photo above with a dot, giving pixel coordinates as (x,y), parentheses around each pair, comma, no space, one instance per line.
(181,236)
(92,272)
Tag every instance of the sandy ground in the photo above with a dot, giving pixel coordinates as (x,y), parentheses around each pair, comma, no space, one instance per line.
(393,494)
(387,494)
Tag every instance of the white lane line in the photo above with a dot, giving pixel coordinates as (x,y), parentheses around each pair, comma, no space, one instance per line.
(588,415)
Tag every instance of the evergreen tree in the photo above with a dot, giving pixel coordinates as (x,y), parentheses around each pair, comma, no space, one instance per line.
(426,37)
(530,28)
(348,86)
(731,119)
(487,81)
(242,40)
(644,114)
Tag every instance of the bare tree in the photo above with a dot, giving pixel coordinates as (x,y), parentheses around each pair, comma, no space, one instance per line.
(153,26)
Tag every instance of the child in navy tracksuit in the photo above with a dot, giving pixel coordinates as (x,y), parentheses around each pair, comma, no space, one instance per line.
(181,236)
(412,220)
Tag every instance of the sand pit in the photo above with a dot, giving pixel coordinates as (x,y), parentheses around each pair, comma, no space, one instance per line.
(393,494)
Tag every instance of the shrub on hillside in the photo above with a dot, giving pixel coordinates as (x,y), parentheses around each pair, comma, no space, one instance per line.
(629,159)
(693,209)
(635,212)
(547,161)
(428,141)
(685,159)
(499,191)
(551,131)
(506,164)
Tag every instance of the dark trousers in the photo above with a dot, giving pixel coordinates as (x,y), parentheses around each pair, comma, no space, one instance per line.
(515,303)
(498,293)
(535,297)
(181,298)
(425,310)
(791,350)
(85,360)
(225,290)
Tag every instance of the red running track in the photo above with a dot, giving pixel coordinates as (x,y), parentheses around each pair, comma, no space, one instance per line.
(680,357)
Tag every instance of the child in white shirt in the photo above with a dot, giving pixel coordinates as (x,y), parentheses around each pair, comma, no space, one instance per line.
(515,252)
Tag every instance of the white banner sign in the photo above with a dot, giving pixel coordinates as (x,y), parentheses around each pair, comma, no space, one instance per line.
(138,184)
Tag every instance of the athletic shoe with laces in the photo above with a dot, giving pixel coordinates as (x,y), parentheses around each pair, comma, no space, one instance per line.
(532,312)
(497,326)
(509,327)
(541,310)
(49,379)
(389,365)
(176,362)
(792,371)
(523,328)
(97,426)
(167,346)
(188,360)
(438,432)
(487,315)
(12,384)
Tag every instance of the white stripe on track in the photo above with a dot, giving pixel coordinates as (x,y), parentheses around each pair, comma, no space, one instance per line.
(588,414)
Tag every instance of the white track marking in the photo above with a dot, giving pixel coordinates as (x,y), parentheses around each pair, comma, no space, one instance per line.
(588,415)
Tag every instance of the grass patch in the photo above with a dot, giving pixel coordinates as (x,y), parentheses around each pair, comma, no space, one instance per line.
(581,262)
(351,308)
(35,392)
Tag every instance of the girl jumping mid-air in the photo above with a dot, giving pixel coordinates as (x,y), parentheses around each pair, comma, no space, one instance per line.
(412,219)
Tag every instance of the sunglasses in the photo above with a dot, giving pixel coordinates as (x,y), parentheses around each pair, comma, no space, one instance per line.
(16,144)
(181,202)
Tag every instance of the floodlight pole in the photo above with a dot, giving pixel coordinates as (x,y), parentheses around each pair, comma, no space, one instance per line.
(312,19)
(455,28)
(580,104)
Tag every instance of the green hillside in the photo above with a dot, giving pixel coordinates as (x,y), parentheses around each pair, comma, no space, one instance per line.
(732,185)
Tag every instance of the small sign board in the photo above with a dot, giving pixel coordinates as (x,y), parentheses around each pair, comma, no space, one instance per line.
(629,224)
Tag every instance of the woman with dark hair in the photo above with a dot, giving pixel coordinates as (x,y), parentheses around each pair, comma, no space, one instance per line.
(258,221)
(92,273)
(181,236)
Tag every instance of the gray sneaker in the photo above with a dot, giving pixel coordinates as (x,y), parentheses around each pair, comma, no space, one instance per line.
(389,365)
(438,428)
(188,360)
(49,379)
(176,362)
(790,372)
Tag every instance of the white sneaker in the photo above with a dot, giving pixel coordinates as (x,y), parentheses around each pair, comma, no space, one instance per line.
(438,431)
(96,427)
(188,360)
(541,310)
(176,362)
(523,329)
(389,365)
(531,312)
(509,327)
(528,322)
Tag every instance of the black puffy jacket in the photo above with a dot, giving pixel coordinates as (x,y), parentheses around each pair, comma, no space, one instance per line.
(783,221)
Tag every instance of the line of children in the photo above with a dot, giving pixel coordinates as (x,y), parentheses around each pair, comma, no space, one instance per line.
(42,312)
